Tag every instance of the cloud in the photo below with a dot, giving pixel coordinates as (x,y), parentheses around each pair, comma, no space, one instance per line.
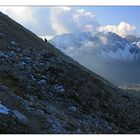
(34,18)
(85,20)
(55,18)
(66,8)
(18,13)
(52,21)
(103,40)
(69,20)
(122,29)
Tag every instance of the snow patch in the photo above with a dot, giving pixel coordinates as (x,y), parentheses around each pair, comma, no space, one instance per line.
(108,46)
(138,44)
(120,54)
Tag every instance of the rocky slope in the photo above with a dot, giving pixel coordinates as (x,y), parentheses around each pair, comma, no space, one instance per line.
(44,91)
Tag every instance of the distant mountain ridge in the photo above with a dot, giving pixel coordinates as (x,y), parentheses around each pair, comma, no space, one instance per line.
(107,44)
(100,51)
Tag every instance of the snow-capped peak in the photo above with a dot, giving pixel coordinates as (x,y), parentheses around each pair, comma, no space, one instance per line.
(106,45)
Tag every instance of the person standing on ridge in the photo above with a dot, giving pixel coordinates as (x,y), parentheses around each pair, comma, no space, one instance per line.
(45,39)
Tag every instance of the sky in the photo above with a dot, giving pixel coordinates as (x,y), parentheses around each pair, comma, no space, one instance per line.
(52,21)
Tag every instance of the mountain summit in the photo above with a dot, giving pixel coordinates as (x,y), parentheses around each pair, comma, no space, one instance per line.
(115,58)
(105,44)
(44,91)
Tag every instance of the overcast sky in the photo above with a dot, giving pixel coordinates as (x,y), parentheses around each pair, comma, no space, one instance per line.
(52,21)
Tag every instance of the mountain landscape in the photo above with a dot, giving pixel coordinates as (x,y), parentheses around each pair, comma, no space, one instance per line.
(115,58)
(44,91)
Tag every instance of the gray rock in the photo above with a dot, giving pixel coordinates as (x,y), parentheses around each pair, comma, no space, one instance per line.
(72,109)
(4,109)
(39,112)
(22,63)
(59,88)
(30,103)
(56,126)
(42,82)
(13,43)
(2,35)
(32,98)
(21,118)
(2,54)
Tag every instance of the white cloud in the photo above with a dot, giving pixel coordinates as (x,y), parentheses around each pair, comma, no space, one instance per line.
(85,20)
(51,21)
(66,8)
(103,39)
(69,20)
(55,19)
(122,29)
(18,13)
(34,18)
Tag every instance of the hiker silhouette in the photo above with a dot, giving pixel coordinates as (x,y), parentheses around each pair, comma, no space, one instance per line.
(45,39)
